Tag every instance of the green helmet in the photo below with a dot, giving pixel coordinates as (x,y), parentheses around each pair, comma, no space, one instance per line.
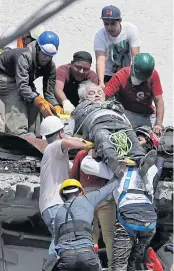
(143,66)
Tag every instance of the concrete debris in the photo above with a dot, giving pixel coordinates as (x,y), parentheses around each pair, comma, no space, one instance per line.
(164,190)
(8,182)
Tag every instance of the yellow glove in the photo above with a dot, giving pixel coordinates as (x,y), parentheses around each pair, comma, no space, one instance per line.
(128,162)
(45,107)
(64,116)
(59,111)
(89,145)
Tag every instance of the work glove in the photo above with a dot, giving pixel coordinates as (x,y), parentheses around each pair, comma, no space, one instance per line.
(89,145)
(58,109)
(59,112)
(68,107)
(45,107)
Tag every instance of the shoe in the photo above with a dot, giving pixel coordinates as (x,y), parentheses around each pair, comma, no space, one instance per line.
(146,162)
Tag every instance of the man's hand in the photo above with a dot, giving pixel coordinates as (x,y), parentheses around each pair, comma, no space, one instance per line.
(68,107)
(45,107)
(89,145)
(58,109)
(102,85)
(157,129)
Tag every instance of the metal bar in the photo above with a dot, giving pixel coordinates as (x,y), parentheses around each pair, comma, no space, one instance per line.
(37,18)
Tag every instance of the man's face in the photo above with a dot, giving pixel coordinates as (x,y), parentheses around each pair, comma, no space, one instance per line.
(112,27)
(95,94)
(142,139)
(43,59)
(80,70)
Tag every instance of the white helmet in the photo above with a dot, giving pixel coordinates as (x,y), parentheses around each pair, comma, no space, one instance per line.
(50,125)
(8,32)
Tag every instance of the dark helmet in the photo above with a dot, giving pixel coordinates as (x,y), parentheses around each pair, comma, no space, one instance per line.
(147,132)
(143,66)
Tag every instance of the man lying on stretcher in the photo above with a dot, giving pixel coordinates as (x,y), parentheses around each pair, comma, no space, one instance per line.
(105,124)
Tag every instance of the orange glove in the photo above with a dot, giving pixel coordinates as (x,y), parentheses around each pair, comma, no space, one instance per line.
(45,107)
(58,109)
(20,43)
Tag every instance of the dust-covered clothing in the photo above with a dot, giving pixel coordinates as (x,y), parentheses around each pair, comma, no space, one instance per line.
(97,123)
(117,48)
(18,70)
(54,170)
(135,207)
(15,119)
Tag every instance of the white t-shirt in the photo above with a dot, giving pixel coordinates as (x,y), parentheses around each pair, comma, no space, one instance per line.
(128,37)
(54,170)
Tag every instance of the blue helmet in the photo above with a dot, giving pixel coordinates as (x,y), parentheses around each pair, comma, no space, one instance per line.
(48,42)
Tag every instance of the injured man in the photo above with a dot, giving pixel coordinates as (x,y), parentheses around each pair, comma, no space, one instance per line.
(105,124)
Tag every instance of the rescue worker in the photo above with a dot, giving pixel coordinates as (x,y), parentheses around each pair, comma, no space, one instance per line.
(135,213)
(114,44)
(12,45)
(69,77)
(54,166)
(32,35)
(18,69)
(98,121)
(73,226)
(105,212)
(138,86)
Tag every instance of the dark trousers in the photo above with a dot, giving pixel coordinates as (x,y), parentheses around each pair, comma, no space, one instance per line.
(106,150)
(78,260)
(126,250)
(107,78)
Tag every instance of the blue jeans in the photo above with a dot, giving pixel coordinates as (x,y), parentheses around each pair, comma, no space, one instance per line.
(138,120)
(49,216)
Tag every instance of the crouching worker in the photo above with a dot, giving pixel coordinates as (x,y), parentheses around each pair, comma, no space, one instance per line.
(18,70)
(73,226)
(136,216)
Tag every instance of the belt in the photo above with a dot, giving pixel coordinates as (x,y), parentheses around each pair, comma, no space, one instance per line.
(82,249)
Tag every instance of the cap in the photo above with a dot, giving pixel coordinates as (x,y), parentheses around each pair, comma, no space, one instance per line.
(111,12)
(82,56)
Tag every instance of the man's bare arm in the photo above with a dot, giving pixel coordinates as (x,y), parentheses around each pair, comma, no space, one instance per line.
(135,51)
(159,103)
(100,66)
(60,95)
(74,143)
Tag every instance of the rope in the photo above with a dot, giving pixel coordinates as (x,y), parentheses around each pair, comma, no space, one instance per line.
(121,142)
